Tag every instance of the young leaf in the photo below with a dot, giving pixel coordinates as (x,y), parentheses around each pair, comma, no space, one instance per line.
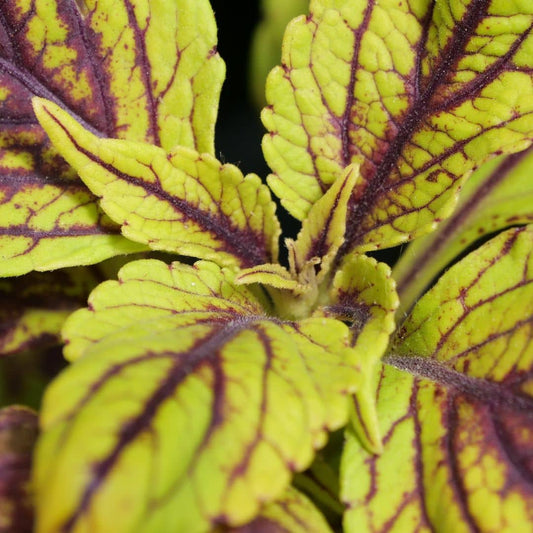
(271,275)
(363,294)
(295,291)
(423,92)
(498,195)
(293,513)
(135,69)
(168,341)
(18,432)
(182,202)
(322,231)
(456,412)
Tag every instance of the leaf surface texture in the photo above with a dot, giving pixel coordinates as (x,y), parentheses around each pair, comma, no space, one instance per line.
(455,407)
(138,70)
(421,92)
(182,201)
(219,403)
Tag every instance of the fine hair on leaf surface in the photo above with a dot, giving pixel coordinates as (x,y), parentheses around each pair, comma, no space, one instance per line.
(204,374)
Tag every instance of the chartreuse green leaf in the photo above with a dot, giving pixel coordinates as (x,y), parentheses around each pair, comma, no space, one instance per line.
(182,201)
(18,432)
(422,91)
(266,42)
(45,226)
(498,195)
(150,290)
(455,406)
(181,376)
(138,70)
(293,513)
(363,294)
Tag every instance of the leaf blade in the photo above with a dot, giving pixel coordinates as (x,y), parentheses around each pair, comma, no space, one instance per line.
(68,53)
(201,289)
(455,409)
(498,195)
(263,393)
(396,83)
(293,513)
(363,294)
(322,232)
(182,202)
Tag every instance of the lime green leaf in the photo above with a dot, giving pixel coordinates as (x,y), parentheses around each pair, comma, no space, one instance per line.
(187,381)
(498,195)
(137,70)
(34,308)
(149,290)
(49,226)
(422,91)
(363,294)
(182,202)
(295,291)
(322,231)
(266,42)
(18,432)
(293,513)
(456,412)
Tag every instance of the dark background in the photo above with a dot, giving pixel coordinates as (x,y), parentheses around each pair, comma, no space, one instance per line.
(239,130)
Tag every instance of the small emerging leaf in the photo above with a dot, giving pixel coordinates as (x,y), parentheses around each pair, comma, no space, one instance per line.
(272,275)
(422,92)
(323,229)
(456,412)
(185,380)
(295,291)
(182,202)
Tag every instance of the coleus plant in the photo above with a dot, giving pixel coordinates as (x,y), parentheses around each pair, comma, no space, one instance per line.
(197,386)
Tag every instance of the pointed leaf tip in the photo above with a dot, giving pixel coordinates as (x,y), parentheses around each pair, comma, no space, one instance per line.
(324,227)
(182,202)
